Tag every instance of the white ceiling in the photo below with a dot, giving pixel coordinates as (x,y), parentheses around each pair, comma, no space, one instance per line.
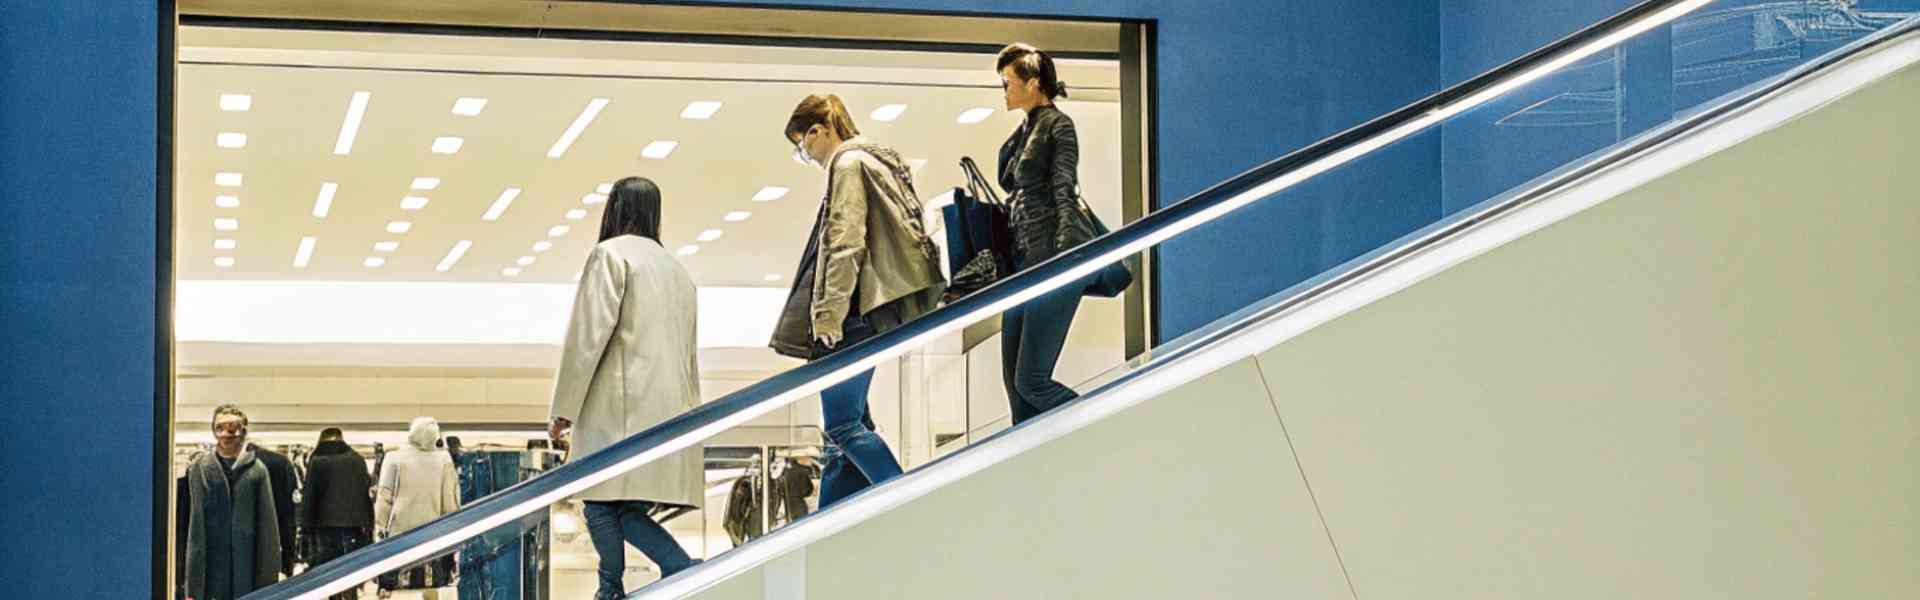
(301,83)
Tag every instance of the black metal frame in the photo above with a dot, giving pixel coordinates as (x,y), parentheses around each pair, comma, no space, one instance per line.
(163,269)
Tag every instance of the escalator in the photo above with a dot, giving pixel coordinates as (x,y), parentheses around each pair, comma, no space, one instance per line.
(1672,363)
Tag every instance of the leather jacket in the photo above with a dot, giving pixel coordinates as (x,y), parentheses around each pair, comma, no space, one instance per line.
(1039,169)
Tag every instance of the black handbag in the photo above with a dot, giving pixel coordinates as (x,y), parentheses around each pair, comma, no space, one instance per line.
(1078,222)
(979,235)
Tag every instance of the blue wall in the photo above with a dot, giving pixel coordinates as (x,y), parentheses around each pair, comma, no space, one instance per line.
(77,149)
(1240,82)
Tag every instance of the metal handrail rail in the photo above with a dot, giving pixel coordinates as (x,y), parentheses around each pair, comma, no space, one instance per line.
(686,430)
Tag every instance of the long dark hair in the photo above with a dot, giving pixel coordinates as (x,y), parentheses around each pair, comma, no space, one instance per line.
(632,209)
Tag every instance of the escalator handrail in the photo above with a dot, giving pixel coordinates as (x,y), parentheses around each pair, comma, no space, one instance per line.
(690,428)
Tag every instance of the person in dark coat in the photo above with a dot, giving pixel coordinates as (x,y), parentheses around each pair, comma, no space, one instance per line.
(233,535)
(338,513)
(280,471)
(1039,168)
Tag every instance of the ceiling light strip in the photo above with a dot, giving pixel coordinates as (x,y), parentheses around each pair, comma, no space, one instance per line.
(350,127)
(453,256)
(579,125)
(500,204)
(323,203)
(305,254)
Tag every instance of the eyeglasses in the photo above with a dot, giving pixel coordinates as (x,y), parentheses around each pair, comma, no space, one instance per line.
(800,149)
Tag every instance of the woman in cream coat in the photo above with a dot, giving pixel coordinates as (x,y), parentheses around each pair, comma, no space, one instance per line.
(627,364)
(417,484)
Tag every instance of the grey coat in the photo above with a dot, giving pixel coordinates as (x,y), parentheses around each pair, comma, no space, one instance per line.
(233,537)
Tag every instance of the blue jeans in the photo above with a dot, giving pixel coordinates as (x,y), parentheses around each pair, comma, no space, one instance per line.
(862,457)
(614,524)
(1031,338)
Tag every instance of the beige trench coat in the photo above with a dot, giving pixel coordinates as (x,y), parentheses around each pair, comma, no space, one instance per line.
(628,363)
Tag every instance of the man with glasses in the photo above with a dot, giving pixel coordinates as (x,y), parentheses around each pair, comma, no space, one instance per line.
(233,536)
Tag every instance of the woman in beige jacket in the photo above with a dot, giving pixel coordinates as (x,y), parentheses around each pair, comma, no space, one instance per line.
(628,363)
(868,268)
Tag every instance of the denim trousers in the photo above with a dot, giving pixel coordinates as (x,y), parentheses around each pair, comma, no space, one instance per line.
(613,525)
(1031,338)
(859,458)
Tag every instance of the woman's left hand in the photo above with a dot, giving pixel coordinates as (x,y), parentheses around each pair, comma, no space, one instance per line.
(829,338)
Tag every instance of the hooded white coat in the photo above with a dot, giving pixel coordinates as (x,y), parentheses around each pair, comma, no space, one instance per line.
(629,362)
(418,483)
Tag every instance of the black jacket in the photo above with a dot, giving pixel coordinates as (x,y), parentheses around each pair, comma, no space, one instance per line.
(280,471)
(1039,169)
(338,486)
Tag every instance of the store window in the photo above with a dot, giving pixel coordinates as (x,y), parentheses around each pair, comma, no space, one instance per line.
(382,215)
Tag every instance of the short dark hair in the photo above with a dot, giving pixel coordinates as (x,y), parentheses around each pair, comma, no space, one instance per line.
(825,110)
(632,209)
(229,409)
(332,434)
(1032,64)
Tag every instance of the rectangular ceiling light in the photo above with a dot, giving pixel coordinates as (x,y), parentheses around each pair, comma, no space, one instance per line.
(605,189)
(374,262)
(226,201)
(453,256)
(231,140)
(226,224)
(413,203)
(510,271)
(974,115)
(425,183)
(236,102)
(579,126)
(388,246)
(576,214)
(469,107)
(593,198)
(447,144)
(770,193)
(659,149)
(701,110)
(228,179)
(324,202)
(500,204)
(711,235)
(399,226)
(917,163)
(738,216)
(558,230)
(889,112)
(689,250)
(349,128)
(225,244)
(223,261)
(525,261)
(305,254)
(542,246)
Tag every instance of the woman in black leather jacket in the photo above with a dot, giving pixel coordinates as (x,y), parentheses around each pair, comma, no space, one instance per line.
(1039,168)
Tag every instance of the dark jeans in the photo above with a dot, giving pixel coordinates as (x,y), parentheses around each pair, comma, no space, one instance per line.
(1031,338)
(613,525)
(334,542)
(862,457)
